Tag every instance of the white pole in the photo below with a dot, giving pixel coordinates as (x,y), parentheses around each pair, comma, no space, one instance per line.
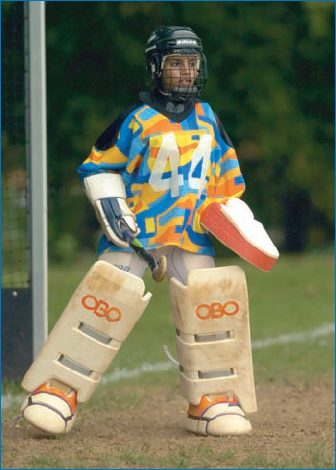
(38,171)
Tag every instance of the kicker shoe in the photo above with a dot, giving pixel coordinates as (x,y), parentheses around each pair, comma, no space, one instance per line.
(217,417)
(51,409)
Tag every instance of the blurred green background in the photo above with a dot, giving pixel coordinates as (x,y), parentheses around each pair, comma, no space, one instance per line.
(271,81)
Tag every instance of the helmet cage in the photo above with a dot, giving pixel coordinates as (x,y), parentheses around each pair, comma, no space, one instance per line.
(156,66)
(180,91)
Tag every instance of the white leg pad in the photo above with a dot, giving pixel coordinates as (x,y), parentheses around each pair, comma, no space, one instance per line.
(90,331)
(213,335)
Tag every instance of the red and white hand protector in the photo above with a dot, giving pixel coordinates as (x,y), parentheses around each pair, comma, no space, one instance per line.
(107,193)
(233,224)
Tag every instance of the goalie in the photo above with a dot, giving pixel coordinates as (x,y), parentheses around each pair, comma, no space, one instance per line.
(164,171)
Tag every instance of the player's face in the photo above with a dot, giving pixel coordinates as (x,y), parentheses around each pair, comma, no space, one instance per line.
(180,71)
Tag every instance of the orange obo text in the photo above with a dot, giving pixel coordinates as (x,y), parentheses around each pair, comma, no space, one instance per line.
(101,308)
(217,310)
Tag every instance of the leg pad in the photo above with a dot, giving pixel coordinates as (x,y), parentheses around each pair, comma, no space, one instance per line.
(213,336)
(90,331)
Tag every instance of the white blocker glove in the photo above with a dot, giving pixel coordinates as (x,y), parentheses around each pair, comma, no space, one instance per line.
(107,193)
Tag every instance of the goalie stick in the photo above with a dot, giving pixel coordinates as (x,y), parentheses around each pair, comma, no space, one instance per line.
(158,268)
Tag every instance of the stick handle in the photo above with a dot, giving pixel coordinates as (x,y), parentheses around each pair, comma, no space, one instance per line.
(158,269)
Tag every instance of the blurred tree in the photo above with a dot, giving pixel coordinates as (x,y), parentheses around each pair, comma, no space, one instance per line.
(271,80)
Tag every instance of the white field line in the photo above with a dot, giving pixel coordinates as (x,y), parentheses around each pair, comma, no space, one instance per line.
(322,330)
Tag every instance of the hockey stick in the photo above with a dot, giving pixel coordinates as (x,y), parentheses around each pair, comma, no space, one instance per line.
(158,269)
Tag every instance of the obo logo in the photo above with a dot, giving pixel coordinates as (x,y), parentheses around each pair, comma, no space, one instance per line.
(101,308)
(217,310)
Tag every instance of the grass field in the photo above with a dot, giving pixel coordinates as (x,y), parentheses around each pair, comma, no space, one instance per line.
(292,320)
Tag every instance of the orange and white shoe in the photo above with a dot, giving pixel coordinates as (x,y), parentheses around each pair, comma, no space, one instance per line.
(217,417)
(51,409)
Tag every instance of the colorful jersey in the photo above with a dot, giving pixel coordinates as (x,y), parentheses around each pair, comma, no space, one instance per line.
(172,171)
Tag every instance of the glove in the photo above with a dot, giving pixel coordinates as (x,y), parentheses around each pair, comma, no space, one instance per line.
(234,225)
(106,192)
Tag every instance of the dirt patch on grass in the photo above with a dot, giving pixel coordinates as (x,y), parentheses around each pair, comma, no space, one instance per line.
(293,428)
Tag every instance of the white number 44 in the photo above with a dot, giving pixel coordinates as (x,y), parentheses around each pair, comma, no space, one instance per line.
(169,151)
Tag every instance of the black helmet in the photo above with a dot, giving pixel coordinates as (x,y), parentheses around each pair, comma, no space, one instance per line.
(172,40)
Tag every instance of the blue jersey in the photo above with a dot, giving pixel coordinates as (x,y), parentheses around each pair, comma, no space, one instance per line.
(171,170)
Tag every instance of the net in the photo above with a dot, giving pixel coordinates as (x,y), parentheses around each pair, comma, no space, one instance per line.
(14,181)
